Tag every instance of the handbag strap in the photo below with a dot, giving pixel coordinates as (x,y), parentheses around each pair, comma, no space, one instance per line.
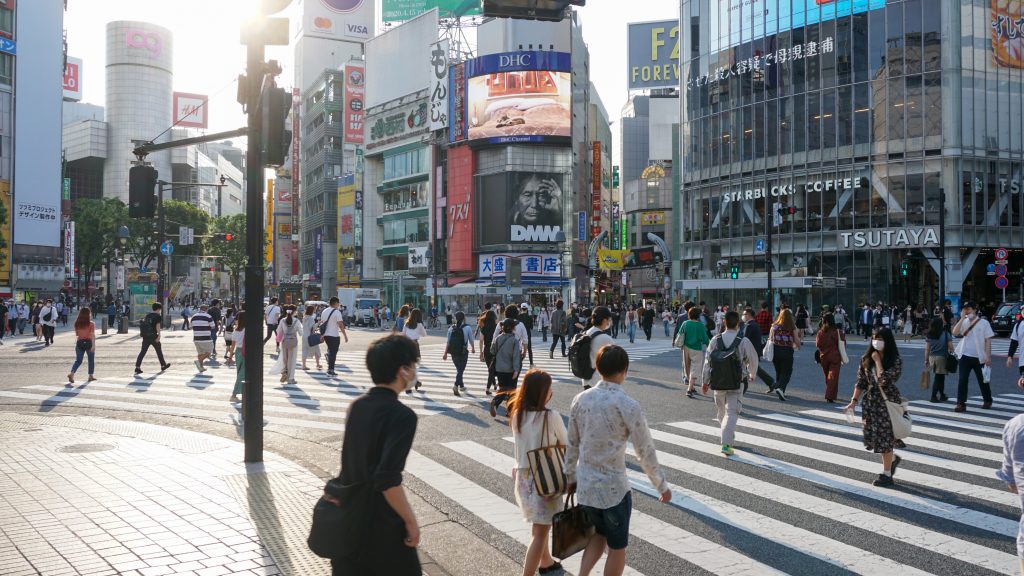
(971,327)
(544,430)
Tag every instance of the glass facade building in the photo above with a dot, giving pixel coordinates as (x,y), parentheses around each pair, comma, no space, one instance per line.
(831,133)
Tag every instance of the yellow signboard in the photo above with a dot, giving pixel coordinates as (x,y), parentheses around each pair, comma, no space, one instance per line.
(655,218)
(612,259)
(5,232)
(269,228)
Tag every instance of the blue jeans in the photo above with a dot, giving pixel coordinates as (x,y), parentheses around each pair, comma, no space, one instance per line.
(665,324)
(78,360)
(632,333)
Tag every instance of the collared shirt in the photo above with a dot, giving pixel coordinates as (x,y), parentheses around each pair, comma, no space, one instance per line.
(379,431)
(602,421)
(1012,471)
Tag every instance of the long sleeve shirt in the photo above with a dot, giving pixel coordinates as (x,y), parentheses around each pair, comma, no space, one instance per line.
(748,354)
(530,434)
(1012,471)
(602,421)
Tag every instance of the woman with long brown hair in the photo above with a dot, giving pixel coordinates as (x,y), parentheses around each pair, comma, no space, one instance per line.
(534,425)
(415,330)
(486,324)
(785,342)
(85,333)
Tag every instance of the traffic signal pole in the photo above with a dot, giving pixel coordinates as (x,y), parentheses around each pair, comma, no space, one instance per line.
(252,397)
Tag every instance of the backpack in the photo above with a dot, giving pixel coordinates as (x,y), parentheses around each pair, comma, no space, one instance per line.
(726,368)
(146,328)
(457,341)
(579,356)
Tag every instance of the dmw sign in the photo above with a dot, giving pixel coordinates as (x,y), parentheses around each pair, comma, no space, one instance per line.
(531,233)
(191,110)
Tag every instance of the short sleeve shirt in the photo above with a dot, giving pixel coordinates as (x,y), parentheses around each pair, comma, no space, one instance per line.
(330,319)
(974,342)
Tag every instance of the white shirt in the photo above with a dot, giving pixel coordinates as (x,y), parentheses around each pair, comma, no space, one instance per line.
(52,311)
(1018,335)
(238,336)
(522,336)
(974,342)
(329,321)
(528,436)
(598,340)
(273,314)
(415,333)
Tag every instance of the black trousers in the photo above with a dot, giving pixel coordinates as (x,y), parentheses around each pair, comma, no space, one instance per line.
(506,387)
(647,330)
(783,362)
(48,333)
(529,344)
(146,343)
(271,328)
(333,343)
(554,342)
(492,377)
(969,364)
(765,376)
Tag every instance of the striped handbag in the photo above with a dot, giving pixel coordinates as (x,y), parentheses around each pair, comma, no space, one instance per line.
(548,464)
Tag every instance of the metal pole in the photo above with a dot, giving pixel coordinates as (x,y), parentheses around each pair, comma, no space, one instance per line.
(252,406)
(769,213)
(160,262)
(942,247)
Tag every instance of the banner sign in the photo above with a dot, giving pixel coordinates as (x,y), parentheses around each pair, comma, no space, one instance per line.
(191,110)
(69,249)
(355,92)
(73,79)
(536,268)
(612,259)
(439,86)
(457,103)
(402,10)
(581,226)
(595,199)
(318,256)
(656,218)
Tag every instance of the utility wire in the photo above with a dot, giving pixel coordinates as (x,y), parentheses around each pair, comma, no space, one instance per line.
(205,102)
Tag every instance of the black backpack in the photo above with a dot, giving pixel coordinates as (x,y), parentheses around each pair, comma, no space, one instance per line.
(457,341)
(726,368)
(579,356)
(147,328)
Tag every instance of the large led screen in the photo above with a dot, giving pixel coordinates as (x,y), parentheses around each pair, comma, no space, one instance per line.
(519,97)
(521,207)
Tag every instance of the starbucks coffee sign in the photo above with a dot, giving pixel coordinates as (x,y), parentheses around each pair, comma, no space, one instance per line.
(891,238)
(778,190)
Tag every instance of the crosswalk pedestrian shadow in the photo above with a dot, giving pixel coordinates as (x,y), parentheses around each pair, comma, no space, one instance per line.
(796,498)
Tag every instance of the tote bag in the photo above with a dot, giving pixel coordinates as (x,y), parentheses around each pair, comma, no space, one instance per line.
(547,464)
(340,518)
(842,349)
(571,530)
(768,353)
(899,415)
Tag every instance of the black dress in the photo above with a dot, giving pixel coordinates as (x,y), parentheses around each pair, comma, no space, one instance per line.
(379,431)
(877,427)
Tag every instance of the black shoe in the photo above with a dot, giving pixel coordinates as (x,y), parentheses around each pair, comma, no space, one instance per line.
(462,387)
(489,392)
(883,481)
(332,373)
(493,411)
(455,390)
(138,370)
(943,397)
(934,399)
(165,367)
(690,393)
(409,392)
(556,567)
(418,384)
(895,462)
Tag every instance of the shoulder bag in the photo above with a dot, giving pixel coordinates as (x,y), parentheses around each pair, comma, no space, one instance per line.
(899,415)
(680,338)
(571,530)
(340,518)
(959,350)
(313,338)
(768,353)
(548,464)
(324,323)
(842,348)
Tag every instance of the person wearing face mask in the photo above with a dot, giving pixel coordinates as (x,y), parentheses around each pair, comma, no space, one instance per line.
(879,370)
(974,351)
(379,432)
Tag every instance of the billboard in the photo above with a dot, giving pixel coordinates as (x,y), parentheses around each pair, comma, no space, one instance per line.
(460,216)
(355,100)
(521,207)
(73,79)
(439,85)
(1006,23)
(519,97)
(739,21)
(401,10)
(338,19)
(653,54)
(191,110)
(457,103)
(346,264)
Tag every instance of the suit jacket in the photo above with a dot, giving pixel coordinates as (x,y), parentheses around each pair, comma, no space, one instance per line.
(752,331)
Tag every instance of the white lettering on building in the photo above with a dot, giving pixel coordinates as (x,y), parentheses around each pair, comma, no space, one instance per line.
(894,238)
(534,233)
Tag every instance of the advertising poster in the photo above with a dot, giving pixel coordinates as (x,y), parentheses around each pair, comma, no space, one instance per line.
(529,204)
(335,19)
(402,10)
(595,179)
(191,110)
(612,259)
(72,83)
(346,230)
(69,249)
(355,96)
(460,211)
(653,54)
(1007,29)
(439,85)
(519,97)
(457,103)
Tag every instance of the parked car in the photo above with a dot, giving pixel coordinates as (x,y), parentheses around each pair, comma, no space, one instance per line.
(1006,317)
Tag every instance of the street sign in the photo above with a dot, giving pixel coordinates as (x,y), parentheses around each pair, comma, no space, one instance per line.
(9,46)
(998,262)
(1002,282)
(759,246)
(990,270)
(167,248)
(143,269)
(1001,270)
(1001,254)
(66,189)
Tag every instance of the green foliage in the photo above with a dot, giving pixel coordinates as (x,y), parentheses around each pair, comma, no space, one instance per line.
(96,223)
(4,219)
(232,254)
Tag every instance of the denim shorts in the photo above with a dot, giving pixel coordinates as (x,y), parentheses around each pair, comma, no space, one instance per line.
(613,523)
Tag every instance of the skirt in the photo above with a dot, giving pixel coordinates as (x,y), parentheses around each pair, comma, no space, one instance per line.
(536,509)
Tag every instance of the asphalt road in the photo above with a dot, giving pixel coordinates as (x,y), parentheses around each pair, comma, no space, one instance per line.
(795,499)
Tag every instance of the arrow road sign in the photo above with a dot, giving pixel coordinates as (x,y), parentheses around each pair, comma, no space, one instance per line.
(9,46)
(759,246)
(167,248)
(1001,254)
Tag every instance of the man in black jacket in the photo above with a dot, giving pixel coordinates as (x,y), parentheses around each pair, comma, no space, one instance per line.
(648,321)
(752,331)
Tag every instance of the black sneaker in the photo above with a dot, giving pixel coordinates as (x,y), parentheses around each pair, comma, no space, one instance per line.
(556,567)
(883,481)
(781,394)
(165,367)
(138,370)
(689,393)
(895,462)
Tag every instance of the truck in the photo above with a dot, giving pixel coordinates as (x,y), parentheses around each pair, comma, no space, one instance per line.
(359,303)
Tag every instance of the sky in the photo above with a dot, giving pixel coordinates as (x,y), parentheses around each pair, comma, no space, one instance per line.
(208,56)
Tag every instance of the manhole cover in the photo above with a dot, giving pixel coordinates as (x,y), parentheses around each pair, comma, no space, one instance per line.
(84,448)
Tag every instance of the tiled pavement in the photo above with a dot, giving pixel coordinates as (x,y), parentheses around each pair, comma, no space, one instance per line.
(93,496)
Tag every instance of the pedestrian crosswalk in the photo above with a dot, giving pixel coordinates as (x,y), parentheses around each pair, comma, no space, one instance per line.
(1000,346)
(796,498)
(317,401)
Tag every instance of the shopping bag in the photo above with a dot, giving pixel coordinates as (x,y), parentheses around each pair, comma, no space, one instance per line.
(899,416)
(925,380)
(571,530)
(842,350)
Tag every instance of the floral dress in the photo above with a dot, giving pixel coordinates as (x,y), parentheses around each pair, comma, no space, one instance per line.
(877,427)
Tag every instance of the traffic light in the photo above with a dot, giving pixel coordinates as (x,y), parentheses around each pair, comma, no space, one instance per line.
(276,135)
(223,237)
(787,210)
(734,272)
(142,191)
(904,268)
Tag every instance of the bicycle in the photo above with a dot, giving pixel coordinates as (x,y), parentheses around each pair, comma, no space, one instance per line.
(433,322)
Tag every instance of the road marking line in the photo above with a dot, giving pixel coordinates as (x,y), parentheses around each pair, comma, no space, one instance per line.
(918,419)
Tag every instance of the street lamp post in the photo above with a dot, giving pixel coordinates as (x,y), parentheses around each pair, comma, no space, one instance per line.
(122,239)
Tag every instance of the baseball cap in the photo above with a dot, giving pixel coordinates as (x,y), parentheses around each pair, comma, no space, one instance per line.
(524,306)
(970,304)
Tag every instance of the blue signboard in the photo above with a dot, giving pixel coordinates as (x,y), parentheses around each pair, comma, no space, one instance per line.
(318,256)
(740,21)
(9,46)
(759,246)
(519,61)
(581,227)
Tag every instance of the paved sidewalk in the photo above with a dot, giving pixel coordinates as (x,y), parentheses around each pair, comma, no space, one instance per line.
(82,495)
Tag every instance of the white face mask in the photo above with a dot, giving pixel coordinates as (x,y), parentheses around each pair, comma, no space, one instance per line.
(415,378)
(970,316)
(878,345)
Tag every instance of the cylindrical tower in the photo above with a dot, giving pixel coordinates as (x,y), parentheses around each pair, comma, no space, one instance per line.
(139,84)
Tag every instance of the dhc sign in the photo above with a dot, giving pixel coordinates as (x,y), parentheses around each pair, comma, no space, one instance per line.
(514,60)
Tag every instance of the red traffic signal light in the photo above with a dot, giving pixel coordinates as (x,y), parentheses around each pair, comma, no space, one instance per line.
(222,236)
(229,237)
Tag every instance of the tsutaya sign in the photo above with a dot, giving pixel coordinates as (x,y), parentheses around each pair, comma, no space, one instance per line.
(891,238)
(790,189)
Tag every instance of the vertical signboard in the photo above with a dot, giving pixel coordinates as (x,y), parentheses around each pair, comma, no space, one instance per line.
(72,79)
(69,249)
(296,176)
(595,198)
(318,256)
(355,97)
(624,230)
(5,233)
(346,257)
(439,86)
(461,166)
(269,224)
(457,103)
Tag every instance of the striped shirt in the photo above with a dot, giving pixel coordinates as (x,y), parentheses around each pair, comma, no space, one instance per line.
(203,327)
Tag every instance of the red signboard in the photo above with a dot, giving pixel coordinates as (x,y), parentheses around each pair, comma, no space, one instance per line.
(459,216)
(355,100)
(595,205)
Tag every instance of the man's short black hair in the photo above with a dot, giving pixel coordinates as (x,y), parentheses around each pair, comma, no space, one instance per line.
(559,304)
(333,300)
(157,306)
(599,315)
(512,311)
(386,355)
(732,319)
(611,360)
(272,301)
(749,311)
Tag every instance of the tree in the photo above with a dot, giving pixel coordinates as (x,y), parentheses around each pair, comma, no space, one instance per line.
(232,253)
(96,223)
(4,219)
